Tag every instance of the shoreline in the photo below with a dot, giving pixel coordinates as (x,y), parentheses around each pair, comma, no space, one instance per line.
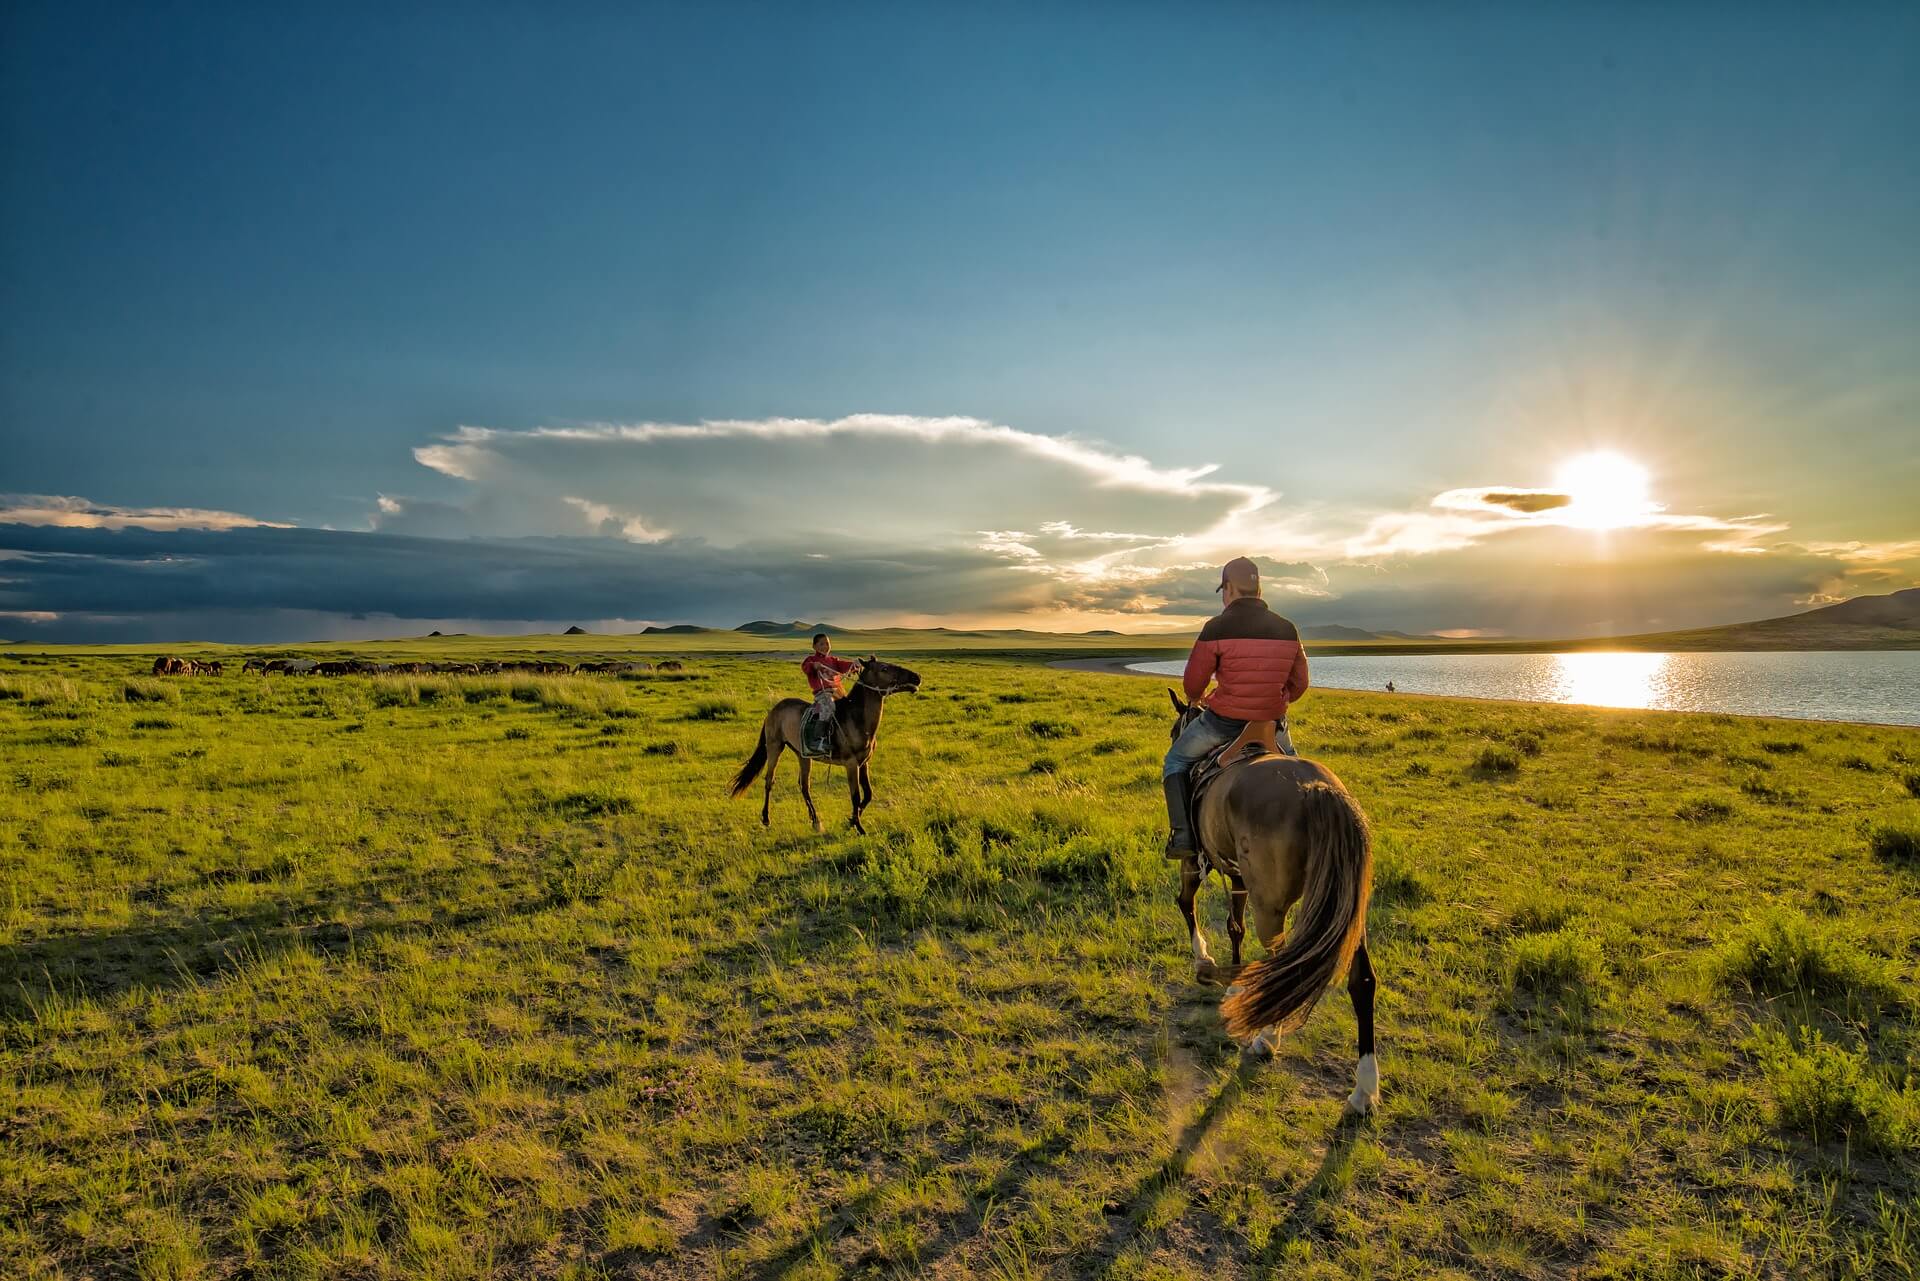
(1118,667)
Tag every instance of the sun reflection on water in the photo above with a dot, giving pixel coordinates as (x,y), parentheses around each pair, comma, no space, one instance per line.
(1609,679)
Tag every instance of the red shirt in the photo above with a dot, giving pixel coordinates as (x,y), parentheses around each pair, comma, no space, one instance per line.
(824,671)
(1256,658)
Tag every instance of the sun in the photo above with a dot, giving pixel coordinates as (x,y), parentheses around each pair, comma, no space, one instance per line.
(1606,491)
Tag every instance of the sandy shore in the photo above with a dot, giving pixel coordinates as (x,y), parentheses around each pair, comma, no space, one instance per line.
(1115,666)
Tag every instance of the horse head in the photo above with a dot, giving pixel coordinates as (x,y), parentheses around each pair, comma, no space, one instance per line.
(1183,714)
(887,678)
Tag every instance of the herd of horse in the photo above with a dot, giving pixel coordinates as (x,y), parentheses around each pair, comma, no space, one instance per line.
(1282,830)
(168,665)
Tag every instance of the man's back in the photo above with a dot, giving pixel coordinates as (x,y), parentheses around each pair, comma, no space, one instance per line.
(1256,657)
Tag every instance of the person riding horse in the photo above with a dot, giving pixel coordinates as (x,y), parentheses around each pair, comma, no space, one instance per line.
(1259,669)
(823,672)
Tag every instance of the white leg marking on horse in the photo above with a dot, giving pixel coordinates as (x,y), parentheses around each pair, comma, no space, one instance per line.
(1200,954)
(1236,989)
(1262,1045)
(1366,1087)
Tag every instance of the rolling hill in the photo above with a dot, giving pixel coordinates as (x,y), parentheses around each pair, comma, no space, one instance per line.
(1865,622)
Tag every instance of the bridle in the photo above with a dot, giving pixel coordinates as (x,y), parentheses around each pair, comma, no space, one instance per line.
(883,690)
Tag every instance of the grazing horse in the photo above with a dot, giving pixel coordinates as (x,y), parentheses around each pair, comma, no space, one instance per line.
(167,665)
(856,724)
(1293,833)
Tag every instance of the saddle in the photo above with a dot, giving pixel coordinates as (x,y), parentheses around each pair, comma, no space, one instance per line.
(1255,741)
(816,735)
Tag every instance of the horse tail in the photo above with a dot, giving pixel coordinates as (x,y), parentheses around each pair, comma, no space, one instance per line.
(751,770)
(1329,924)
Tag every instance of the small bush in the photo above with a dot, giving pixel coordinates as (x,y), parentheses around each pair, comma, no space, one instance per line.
(1762,788)
(1912,782)
(1528,743)
(1782,746)
(137,690)
(1109,746)
(665,747)
(1419,769)
(1565,965)
(1856,762)
(714,709)
(1014,696)
(1826,1092)
(1703,809)
(1044,765)
(1051,729)
(518,732)
(1497,760)
(1895,843)
(590,804)
(152,722)
(1783,953)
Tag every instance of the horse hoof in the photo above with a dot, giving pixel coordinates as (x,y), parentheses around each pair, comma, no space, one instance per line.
(1236,989)
(1259,1049)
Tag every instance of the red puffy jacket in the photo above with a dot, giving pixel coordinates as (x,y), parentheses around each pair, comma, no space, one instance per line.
(1256,658)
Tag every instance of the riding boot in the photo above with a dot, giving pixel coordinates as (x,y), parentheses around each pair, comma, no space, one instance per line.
(1180,843)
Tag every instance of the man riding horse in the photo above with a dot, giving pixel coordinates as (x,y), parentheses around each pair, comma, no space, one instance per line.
(1259,669)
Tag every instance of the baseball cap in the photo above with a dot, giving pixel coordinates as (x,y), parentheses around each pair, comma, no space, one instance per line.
(1242,573)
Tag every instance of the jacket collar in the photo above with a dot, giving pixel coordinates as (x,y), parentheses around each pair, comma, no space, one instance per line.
(1246,602)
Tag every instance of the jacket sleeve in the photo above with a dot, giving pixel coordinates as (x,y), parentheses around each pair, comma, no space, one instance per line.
(1201,665)
(841,665)
(1297,678)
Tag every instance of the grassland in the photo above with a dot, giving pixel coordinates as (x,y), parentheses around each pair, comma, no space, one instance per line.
(482,977)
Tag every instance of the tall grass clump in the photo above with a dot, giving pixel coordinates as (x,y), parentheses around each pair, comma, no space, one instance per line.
(1895,842)
(1780,953)
(1826,1092)
(1497,762)
(1912,782)
(1565,965)
(714,709)
(139,690)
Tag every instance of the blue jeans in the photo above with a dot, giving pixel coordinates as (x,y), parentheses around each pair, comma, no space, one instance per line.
(1208,733)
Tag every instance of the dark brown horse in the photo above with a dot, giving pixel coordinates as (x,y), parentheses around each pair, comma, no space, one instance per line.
(1294,834)
(856,724)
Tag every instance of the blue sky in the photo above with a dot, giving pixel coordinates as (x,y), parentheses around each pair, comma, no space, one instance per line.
(265,268)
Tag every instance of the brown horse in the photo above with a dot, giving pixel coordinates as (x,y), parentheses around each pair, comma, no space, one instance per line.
(1295,835)
(856,724)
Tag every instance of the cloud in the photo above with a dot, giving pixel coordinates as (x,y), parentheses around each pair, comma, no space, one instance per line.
(883,518)
(1529,501)
(68,512)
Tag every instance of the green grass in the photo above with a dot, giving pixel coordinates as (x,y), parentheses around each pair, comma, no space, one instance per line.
(484,976)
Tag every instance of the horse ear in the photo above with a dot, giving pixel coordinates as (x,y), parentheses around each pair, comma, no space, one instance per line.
(1179,707)
(871,659)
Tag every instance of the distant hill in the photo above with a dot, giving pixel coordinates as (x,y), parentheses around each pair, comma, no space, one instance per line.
(1338,632)
(677,629)
(762,627)
(575,630)
(1865,622)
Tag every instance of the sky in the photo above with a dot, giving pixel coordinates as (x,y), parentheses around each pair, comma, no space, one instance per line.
(335,321)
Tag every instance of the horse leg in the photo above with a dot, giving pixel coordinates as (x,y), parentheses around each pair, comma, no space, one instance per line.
(853,795)
(1366,1077)
(773,763)
(1237,918)
(1189,890)
(866,787)
(806,770)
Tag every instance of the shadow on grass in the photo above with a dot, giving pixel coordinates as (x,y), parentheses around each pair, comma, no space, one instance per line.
(1330,1176)
(1126,1223)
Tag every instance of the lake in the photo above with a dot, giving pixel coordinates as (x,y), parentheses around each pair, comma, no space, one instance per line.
(1852,685)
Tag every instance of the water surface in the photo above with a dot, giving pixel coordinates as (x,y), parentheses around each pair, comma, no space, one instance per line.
(1852,685)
